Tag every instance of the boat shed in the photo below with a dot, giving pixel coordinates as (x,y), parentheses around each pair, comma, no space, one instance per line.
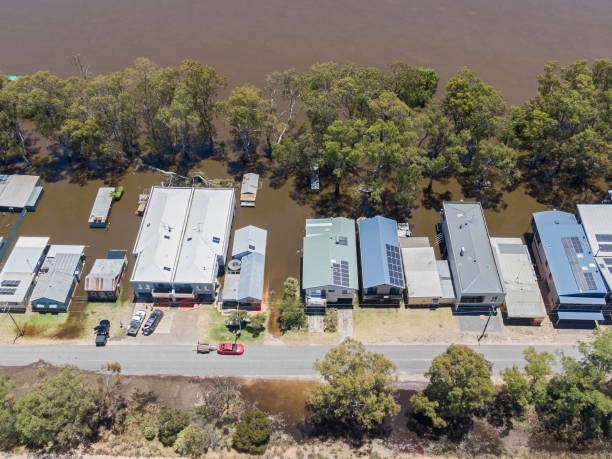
(101,209)
(596,221)
(19,271)
(248,190)
(18,192)
(575,287)
(382,274)
(182,243)
(59,276)
(523,297)
(329,261)
(473,264)
(104,280)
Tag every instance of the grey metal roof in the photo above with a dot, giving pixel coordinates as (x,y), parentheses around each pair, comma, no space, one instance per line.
(250,183)
(252,277)
(26,255)
(477,270)
(55,284)
(249,239)
(596,220)
(16,190)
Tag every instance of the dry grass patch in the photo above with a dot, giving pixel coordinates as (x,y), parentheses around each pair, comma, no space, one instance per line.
(380,325)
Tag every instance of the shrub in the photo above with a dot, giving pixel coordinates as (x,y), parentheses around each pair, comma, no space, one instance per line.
(258,324)
(330,320)
(149,433)
(170,423)
(292,316)
(252,433)
(193,441)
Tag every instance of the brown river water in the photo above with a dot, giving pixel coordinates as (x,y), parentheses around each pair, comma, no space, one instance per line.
(506,43)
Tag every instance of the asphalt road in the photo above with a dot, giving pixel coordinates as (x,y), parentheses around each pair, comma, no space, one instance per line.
(263,361)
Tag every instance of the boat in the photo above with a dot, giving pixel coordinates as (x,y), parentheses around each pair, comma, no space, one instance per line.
(14,77)
(117,193)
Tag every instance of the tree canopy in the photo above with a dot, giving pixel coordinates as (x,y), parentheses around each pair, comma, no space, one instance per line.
(358,394)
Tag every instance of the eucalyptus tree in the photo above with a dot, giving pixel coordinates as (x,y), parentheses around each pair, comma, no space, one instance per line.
(247,115)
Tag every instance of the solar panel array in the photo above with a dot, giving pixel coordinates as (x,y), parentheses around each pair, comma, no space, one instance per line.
(605,247)
(340,273)
(7,291)
(394,262)
(10,283)
(572,247)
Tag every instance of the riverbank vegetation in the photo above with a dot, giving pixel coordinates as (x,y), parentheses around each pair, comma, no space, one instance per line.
(355,409)
(374,136)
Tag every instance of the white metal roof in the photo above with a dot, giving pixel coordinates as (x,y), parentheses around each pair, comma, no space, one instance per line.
(102,204)
(57,249)
(16,286)
(421,271)
(523,297)
(182,232)
(26,255)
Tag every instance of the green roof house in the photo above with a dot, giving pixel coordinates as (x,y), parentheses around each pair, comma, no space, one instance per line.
(329,271)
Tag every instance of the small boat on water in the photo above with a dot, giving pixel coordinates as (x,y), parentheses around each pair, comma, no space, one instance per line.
(14,77)
(117,193)
(142,204)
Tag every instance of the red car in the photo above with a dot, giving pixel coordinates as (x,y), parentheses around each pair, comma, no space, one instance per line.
(230,348)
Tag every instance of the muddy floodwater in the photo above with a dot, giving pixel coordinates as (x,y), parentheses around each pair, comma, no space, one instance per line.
(505,42)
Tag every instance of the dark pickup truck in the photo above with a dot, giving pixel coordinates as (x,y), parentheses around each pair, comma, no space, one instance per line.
(151,323)
(102,332)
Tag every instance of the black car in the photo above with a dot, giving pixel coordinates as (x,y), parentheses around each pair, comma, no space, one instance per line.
(152,321)
(102,332)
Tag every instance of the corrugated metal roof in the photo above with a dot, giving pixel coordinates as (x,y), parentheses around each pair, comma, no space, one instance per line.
(252,277)
(250,183)
(473,258)
(596,221)
(380,256)
(26,255)
(102,204)
(104,275)
(249,239)
(55,284)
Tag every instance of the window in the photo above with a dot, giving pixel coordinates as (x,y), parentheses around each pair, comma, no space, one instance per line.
(493,298)
(372,291)
(472,299)
(345,292)
(394,291)
(331,291)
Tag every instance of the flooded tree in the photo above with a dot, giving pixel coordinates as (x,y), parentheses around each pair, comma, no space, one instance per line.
(247,115)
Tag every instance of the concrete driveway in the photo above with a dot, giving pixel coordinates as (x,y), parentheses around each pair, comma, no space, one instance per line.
(178,326)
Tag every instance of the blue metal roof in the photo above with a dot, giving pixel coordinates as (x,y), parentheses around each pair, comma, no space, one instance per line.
(375,234)
(584,315)
(555,228)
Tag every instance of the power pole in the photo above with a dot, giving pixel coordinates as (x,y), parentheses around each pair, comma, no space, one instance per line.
(20,334)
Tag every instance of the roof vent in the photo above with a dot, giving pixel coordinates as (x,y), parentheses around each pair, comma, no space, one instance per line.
(557,222)
(462,251)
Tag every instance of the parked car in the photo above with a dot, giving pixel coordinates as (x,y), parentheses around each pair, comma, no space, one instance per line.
(102,332)
(151,323)
(230,348)
(136,322)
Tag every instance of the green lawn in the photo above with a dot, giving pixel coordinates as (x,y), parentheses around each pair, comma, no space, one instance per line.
(217,332)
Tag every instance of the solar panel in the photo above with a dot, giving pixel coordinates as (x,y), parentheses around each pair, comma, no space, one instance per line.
(570,251)
(394,263)
(605,247)
(576,243)
(7,291)
(603,237)
(342,240)
(10,283)
(340,273)
(590,280)
(608,261)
